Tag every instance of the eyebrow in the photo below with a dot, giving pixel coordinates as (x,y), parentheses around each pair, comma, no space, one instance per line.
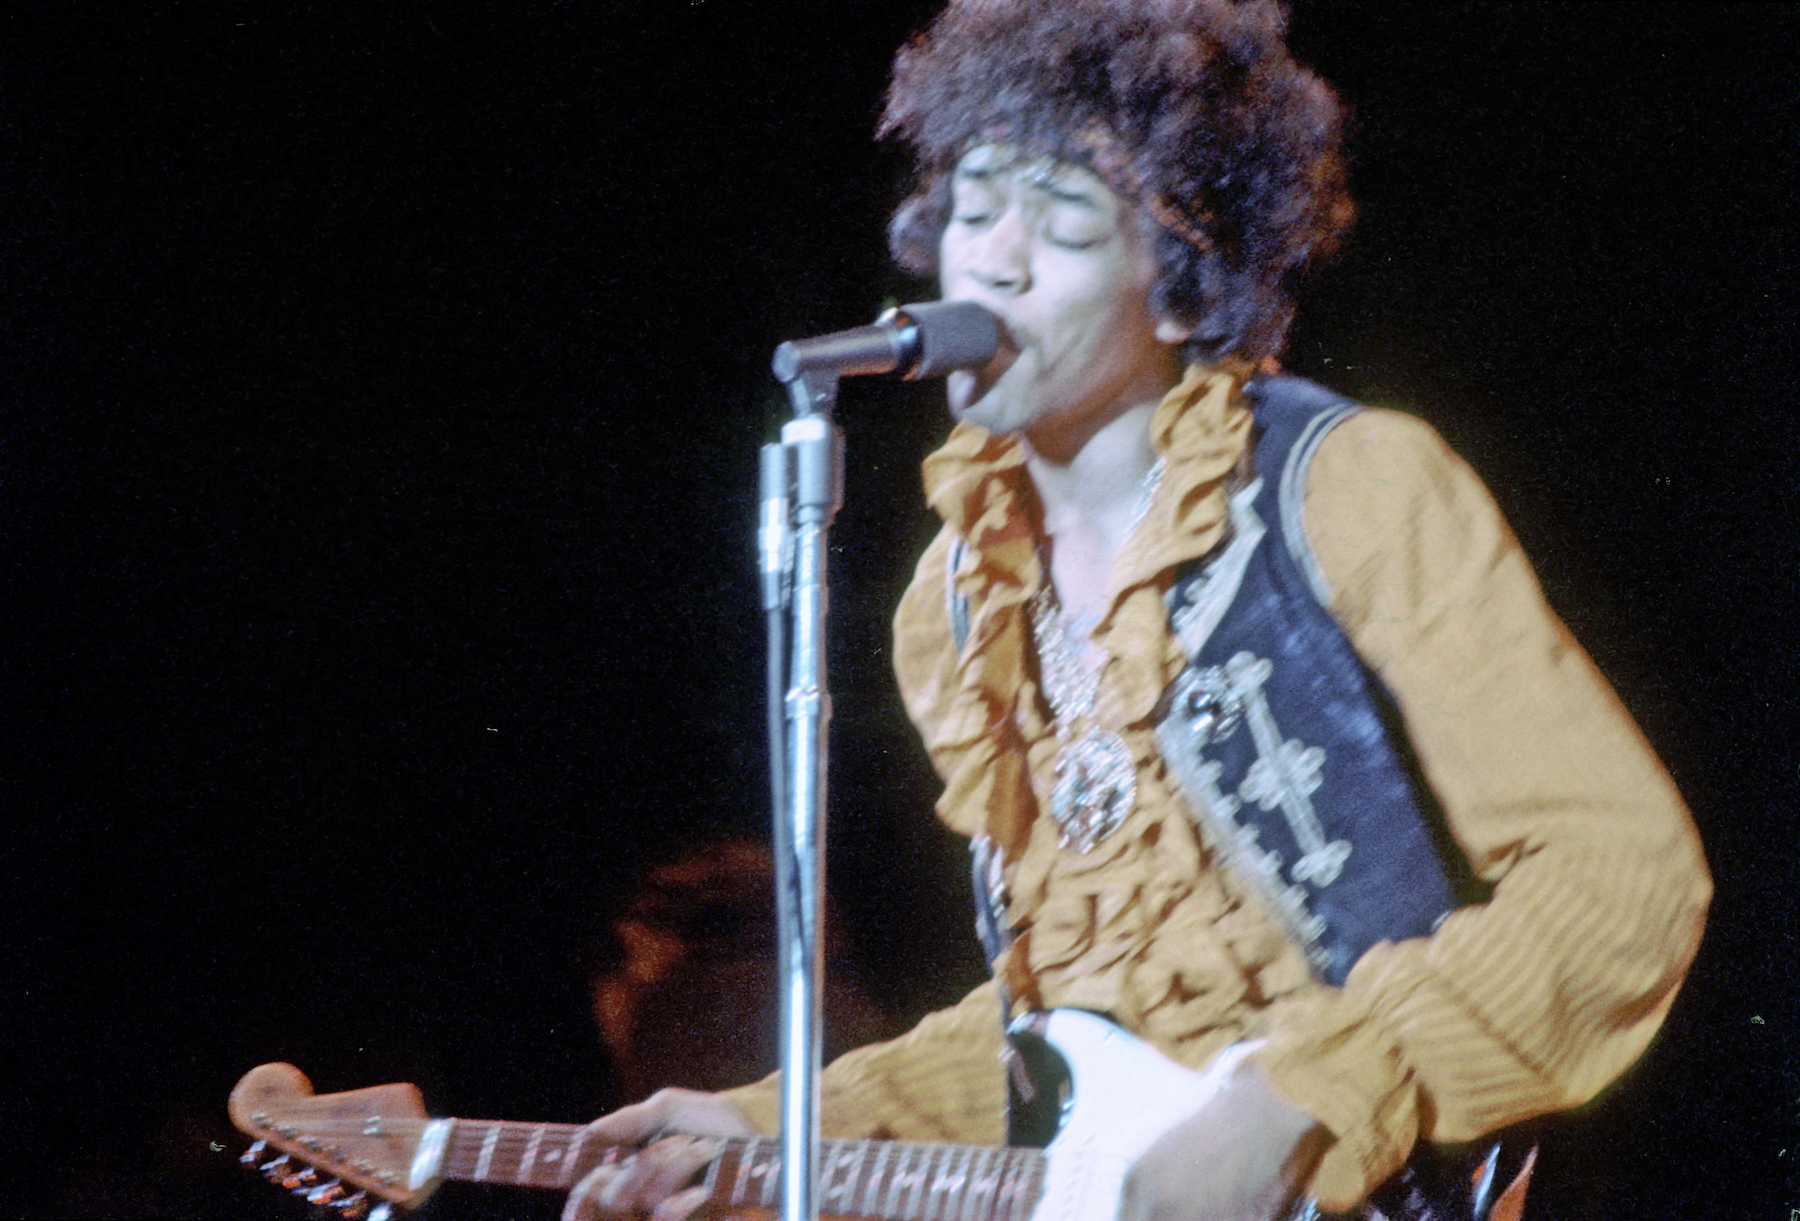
(977,173)
(1049,181)
(1065,192)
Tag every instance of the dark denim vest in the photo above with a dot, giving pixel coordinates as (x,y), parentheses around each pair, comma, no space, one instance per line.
(1288,748)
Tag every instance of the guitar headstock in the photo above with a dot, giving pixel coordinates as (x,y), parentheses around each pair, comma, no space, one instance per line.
(337,1149)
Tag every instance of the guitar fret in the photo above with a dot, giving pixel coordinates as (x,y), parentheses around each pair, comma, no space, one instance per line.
(571,1160)
(928,1197)
(529,1162)
(486,1157)
(460,1149)
(980,1181)
(552,1163)
(986,1190)
(827,1167)
(996,1187)
(934,1183)
(920,1208)
(872,1181)
(899,1159)
(715,1168)
(746,1166)
(1030,1184)
(1005,1189)
(771,1168)
(837,1175)
(955,1175)
(977,1158)
(950,1180)
(956,1199)
(908,1176)
(897,1185)
(758,1160)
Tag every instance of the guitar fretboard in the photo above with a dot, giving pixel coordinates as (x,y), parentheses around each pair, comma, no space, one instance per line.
(887,1179)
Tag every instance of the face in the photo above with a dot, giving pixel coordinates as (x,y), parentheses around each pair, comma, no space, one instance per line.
(1058,257)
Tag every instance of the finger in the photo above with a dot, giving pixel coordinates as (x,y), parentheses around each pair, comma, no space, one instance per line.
(583,1203)
(681,1205)
(673,1164)
(632,1125)
(646,1178)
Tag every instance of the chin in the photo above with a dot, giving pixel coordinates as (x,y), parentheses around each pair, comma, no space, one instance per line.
(959,388)
(973,403)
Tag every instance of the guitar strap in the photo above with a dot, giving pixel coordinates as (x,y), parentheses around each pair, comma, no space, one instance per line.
(1291,755)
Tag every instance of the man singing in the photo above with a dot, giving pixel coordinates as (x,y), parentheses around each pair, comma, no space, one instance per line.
(1269,746)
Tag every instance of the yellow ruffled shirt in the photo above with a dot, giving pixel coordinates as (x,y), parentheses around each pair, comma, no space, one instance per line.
(1529,1003)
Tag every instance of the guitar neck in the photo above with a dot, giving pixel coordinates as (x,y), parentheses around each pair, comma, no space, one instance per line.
(893,1180)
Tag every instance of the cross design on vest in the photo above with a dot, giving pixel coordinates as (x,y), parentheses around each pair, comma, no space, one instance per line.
(1246,849)
(1286,773)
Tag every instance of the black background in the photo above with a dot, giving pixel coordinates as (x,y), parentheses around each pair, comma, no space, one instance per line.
(383,384)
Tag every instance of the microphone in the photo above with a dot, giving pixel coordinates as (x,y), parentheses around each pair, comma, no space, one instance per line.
(925,340)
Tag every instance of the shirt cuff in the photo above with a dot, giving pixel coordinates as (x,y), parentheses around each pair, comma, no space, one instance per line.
(1350,1076)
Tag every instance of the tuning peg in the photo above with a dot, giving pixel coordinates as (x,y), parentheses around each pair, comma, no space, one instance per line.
(302,1182)
(253,1152)
(382,1212)
(275,1169)
(328,1194)
(353,1207)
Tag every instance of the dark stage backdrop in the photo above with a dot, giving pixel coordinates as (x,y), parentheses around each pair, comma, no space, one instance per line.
(383,383)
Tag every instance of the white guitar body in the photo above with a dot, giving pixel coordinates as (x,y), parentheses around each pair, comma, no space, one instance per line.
(1124,1096)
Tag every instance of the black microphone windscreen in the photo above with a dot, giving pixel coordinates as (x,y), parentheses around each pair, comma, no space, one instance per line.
(952,335)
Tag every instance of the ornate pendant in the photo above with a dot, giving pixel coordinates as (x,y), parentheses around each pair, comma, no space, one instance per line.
(1096,787)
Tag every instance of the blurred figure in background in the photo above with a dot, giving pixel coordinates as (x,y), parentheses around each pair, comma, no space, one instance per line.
(687,994)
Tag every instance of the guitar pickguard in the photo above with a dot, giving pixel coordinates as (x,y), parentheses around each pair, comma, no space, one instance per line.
(1123,1095)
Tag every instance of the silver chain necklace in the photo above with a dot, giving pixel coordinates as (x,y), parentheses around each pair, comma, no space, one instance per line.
(1096,778)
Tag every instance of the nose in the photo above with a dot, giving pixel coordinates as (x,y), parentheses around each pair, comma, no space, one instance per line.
(1000,258)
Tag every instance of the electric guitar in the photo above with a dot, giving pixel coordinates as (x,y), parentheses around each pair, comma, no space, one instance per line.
(363,1151)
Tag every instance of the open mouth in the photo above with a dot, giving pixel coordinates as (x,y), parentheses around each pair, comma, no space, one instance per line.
(967,387)
(1003,359)
(1005,353)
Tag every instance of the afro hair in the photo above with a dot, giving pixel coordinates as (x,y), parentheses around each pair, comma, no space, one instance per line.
(1192,109)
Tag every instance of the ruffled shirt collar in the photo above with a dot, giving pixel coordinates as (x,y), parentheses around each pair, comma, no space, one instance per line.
(978,483)
(1139,926)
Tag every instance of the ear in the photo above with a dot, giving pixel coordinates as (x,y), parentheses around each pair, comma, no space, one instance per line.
(1171,332)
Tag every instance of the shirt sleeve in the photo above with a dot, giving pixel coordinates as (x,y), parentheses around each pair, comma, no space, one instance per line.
(941,1081)
(1539,998)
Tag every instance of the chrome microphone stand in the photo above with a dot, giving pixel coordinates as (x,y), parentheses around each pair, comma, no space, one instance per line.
(802,490)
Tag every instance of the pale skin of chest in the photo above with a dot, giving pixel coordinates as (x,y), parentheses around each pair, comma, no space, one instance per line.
(1090,504)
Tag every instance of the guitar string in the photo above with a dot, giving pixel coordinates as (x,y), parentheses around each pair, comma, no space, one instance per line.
(468,1136)
(1007,1176)
(519,1132)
